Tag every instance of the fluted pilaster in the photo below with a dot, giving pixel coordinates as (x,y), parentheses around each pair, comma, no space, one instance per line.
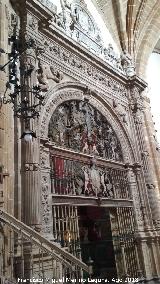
(31,181)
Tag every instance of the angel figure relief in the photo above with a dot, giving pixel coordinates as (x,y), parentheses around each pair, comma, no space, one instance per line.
(46,72)
(92,182)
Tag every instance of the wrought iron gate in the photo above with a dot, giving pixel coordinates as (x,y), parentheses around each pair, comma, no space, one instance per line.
(122,224)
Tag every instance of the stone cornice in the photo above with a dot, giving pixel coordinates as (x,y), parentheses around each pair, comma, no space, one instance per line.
(136,81)
(59,36)
(40,9)
(53,32)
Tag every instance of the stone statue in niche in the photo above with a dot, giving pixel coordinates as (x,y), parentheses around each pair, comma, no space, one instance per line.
(128,64)
(109,53)
(79,126)
(46,72)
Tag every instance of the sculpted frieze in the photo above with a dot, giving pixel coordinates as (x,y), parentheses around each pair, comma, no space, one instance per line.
(79,126)
(32,22)
(73,63)
(77,23)
(79,95)
(75,178)
(81,66)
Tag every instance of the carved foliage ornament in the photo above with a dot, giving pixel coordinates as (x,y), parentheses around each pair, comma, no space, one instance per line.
(45,205)
(79,65)
(78,23)
(79,126)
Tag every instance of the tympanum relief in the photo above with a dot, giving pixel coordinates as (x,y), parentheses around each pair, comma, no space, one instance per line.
(79,126)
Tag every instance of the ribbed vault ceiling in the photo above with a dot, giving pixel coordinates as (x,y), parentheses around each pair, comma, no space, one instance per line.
(134,25)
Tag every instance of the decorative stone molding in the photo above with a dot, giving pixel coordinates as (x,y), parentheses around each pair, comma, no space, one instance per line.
(45,73)
(32,22)
(48,4)
(3,174)
(86,69)
(12,23)
(59,97)
(55,53)
(31,167)
(46,209)
(121,111)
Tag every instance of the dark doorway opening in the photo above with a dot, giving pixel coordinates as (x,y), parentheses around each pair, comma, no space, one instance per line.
(96,241)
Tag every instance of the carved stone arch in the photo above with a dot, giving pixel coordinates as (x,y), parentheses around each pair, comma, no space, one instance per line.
(77,91)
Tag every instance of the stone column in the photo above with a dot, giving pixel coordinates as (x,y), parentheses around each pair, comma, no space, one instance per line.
(3,59)
(134,176)
(30,154)
(147,268)
(6,119)
(156,260)
(145,178)
(137,200)
(31,183)
(153,147)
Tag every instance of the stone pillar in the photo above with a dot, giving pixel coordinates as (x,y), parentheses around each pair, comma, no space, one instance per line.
(145,178)
(142,224)
(147,268)
(3,59)
(46,202)
(153,147)
(31,183)
(156,260)
(145,209)
(137,200)
(6,119)
(30,153)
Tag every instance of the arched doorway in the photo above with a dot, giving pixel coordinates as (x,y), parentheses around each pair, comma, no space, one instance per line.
(88,173)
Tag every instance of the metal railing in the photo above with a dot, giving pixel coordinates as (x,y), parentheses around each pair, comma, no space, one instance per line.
(25,254)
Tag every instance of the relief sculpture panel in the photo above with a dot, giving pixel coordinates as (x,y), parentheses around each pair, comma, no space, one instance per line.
(79,126)
(76,178)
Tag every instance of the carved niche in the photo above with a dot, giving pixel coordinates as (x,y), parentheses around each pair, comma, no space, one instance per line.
(79,126)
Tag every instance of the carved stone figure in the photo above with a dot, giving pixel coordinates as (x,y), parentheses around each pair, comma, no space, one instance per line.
(109,53)
(95,180)
(77,125)
(127,63)
(87,183)
(46,72)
